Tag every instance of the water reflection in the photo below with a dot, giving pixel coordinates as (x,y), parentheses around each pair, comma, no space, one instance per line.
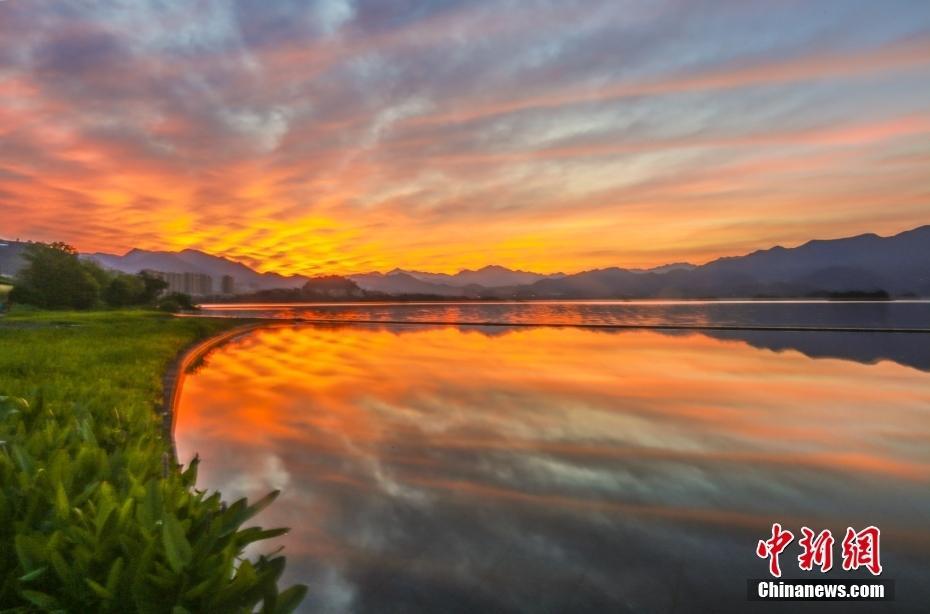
(448,469)
(903,348)
(862,314)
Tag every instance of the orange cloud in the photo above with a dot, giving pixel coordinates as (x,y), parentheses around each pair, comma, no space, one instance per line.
(367,148)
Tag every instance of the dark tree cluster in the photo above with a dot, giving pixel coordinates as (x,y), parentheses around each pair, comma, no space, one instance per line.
(331,286)
(323,288)
(56,278)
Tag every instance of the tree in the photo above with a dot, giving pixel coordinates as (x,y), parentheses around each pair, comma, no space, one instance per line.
(154,286)
(331,286)
(124,290)
(176,301)
(54,277)
(101,276)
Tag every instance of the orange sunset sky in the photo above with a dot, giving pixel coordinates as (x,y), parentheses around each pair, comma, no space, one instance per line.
(342,136)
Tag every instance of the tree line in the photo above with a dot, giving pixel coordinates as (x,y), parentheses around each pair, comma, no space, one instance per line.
(54,277)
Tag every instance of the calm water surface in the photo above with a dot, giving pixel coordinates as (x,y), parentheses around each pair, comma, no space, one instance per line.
(855,314)
(453,469)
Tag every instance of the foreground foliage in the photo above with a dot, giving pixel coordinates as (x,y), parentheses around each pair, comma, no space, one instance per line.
(94,516)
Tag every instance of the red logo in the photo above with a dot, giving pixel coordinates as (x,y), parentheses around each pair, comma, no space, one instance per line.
(774,546)
(817,550)
(859,549)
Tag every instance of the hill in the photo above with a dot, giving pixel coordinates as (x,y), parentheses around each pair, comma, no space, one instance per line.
(867,266)
(195,261)
(398,282)
(898,265)
(491,276)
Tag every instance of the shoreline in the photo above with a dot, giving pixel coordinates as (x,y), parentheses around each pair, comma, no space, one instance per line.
(173,377)
(176,371)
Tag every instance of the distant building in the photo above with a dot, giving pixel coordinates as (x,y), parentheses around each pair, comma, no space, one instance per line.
(228,284)
(11,256)
(195,284)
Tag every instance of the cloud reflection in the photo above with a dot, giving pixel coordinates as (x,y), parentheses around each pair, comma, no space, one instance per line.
(439,469)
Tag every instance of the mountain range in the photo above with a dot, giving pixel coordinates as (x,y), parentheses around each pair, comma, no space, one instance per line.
(195,261)
(467,282)
(898,265)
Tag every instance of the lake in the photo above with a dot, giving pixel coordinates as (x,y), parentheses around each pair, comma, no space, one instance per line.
(806,314)
(472,468)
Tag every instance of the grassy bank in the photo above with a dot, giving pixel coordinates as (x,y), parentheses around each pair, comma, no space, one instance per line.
(94,516)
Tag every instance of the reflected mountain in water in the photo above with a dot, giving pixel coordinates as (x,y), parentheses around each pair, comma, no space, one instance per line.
(903,348)
(909,349)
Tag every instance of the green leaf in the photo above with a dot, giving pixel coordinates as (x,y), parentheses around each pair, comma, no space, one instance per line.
(140,567)
(61,502)
(200,589)
(177,548)
(190,474)
(101,592)
(125,513)
(288,601)
(32,575)
(22,458)
(106,519)
(11,406)
(61,568)
(254,534)
(28,551)
(86,493)
(150,509)
(261,504)
(87,431)
(116,569)
(41,600)
(234,591)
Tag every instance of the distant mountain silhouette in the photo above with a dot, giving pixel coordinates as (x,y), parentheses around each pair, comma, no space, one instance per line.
(491,276)
(195,261)
(666,268)
(866,264)
(899,265)
(464,283)
(399,282)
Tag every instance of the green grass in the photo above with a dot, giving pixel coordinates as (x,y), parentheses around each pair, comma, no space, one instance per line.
(93,515)
(102,359)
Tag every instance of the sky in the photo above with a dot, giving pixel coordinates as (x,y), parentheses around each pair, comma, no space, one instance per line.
(341,136)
